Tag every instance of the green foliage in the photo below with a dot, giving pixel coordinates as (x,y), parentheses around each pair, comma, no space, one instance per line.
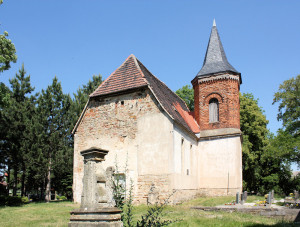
(7,52)
(53,109)
(36,146)
(153,217)
(2,200)
(24,199)
(254,128)
(14,201)
(61,197)
(187,94)
(288,98)
(127,215)
(15,124)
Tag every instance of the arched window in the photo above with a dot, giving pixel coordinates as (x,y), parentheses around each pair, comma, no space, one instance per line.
(213,110)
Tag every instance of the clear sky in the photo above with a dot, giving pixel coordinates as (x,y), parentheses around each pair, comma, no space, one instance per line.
(76,39)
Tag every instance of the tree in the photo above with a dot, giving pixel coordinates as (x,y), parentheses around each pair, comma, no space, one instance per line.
(254,128)
(7,51)
(187,94)
(288,98)
(16,119)
(53,108)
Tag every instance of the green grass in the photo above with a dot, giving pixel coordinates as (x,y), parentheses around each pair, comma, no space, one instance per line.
(37,214)
(57,214)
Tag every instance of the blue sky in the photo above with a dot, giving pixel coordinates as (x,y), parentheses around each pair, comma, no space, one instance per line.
(76,39)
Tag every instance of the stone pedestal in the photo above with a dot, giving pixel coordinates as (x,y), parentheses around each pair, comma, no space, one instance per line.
(96,217)
(95,209)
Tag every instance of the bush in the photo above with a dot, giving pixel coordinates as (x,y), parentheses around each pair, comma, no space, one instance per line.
(25,199)
(2,200)
(61,197)
(14,201)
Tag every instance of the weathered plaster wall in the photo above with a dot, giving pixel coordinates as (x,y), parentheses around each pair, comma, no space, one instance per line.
(119,124)
(185,168)
(220,166)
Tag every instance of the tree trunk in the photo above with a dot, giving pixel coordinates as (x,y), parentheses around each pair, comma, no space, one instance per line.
(23,181)
(48,186)
(8,178)
(15,181)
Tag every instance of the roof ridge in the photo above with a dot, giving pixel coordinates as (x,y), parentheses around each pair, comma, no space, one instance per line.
(163,84)
(105,81)
(132,77)
(139,68)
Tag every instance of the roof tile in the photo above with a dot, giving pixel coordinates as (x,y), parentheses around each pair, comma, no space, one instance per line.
(133,74)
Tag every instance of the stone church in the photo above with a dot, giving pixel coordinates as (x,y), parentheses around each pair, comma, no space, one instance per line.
(153,138)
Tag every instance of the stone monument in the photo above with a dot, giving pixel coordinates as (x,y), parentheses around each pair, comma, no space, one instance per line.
(95,209)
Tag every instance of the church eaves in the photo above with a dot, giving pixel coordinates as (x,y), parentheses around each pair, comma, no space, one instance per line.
(215,60)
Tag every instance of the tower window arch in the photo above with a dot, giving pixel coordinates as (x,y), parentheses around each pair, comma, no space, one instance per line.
(213,110)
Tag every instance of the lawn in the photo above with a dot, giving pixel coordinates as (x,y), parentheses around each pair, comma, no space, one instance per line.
(57,214)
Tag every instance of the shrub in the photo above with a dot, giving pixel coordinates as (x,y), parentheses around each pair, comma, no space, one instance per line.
(25,199)
(63,198)
(3,200)
(14,201)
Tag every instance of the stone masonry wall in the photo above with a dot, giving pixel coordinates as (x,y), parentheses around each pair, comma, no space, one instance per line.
(111,123)
(226,91)
(116,116)
(160,184)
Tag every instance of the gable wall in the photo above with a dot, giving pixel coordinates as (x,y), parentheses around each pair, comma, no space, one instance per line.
(136,132)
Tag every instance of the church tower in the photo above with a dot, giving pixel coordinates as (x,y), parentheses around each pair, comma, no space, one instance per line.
(216,89)
(217,111)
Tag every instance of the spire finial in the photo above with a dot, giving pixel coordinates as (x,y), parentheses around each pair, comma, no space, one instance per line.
(214,23)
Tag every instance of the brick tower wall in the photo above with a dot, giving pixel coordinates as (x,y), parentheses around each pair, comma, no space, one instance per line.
(226,91)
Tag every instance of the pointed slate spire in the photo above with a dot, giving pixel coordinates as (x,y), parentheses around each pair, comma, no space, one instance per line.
(215,59)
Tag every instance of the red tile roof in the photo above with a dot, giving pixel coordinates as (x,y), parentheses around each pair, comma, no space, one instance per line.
(133,74)
(127,76)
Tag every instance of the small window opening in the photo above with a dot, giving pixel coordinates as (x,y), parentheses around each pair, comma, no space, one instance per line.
(213,110)
(187,172)
(122,103)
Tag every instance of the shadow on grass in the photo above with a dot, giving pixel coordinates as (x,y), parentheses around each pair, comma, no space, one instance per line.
(282,224)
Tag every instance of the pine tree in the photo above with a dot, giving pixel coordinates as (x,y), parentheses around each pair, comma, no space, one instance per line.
(53,108)
(15,121)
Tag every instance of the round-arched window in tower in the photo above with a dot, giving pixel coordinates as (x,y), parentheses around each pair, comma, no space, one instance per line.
(213,110)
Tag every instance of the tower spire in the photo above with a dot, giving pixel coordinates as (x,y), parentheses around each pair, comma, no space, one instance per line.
(215,60)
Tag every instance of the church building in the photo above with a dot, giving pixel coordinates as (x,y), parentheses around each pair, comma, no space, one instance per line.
(153,138)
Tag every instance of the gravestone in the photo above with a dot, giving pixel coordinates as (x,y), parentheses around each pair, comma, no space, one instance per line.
(245,195)
(296,194)
(269,198)
(95,208)
(237,198)
(153,195)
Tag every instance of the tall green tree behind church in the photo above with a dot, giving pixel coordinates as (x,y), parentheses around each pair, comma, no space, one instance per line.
(15,123)
(53,109)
